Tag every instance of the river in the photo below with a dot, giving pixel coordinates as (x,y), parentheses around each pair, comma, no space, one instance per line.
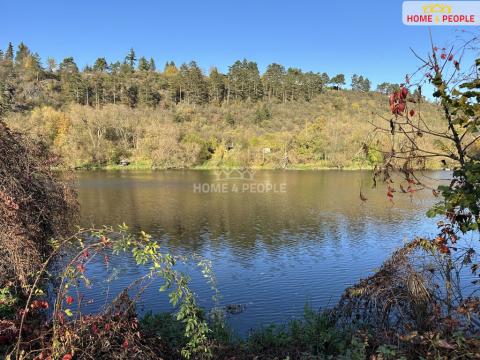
(277,239)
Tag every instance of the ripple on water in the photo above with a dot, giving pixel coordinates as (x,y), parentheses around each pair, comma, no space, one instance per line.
(273,252)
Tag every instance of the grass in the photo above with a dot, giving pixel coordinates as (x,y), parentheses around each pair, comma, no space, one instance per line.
(314,336)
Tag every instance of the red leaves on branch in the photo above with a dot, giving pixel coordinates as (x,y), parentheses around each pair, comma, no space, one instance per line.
(441,244)
(412,112)
(398,101)
(81,268)
(125,344)
(444,249)
(67,357)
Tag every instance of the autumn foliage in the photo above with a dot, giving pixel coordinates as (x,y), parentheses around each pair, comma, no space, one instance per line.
(398,101)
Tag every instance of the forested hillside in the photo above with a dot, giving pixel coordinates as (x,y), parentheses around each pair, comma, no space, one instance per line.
(180,117)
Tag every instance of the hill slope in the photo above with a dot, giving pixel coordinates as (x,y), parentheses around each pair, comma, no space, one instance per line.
(327,131)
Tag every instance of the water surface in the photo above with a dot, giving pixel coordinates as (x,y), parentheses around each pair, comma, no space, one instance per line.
(304,241)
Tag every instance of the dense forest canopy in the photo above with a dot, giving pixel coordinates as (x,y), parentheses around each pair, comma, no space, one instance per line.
(180,117)
(25,82)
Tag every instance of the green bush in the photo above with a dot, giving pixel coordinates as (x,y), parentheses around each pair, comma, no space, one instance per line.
(7,303)
(262,113)
(165,327)
(315,334)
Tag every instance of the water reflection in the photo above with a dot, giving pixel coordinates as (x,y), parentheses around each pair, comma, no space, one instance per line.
(273,251)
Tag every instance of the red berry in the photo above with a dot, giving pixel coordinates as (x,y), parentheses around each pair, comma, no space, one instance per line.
(69,300)
(412,112)
(67,357)
(125,344)
(39,304)
(81,268)
(443,56)
(450,57)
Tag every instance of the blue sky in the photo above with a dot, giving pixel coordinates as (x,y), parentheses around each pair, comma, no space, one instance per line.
(364,37)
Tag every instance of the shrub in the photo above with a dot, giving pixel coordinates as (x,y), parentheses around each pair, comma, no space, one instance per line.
(316,334)
(34,205)
(262,113)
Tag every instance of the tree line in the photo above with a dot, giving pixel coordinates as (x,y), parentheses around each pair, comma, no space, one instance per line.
(25,82)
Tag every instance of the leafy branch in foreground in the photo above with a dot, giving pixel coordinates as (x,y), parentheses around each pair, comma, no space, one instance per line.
(71,332)
(146,251)
(457,143)
(419,298)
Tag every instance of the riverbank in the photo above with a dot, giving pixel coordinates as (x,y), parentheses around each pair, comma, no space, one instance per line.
(162,336)
(318,334)
(147,166)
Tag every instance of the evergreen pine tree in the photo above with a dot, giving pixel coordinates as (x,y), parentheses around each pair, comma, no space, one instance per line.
(100,65)
(151,65)
(22,54)
(9,52)
(143,64)
(130,59)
